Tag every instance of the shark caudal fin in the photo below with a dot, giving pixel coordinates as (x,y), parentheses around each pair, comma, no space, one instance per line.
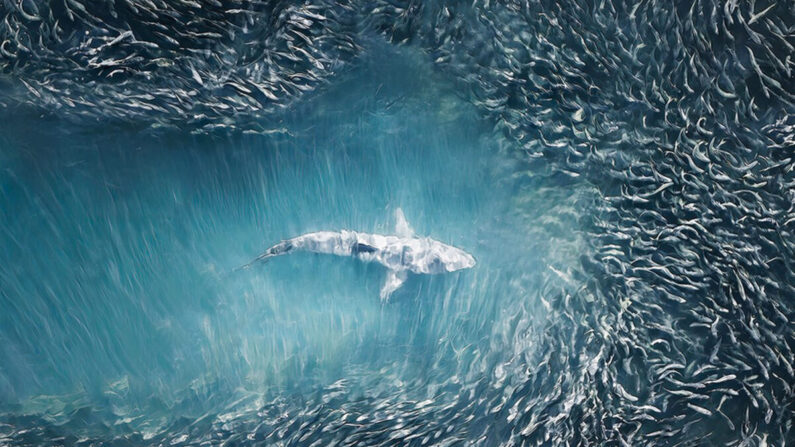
(402,227)
(261,258)
(394,280)
(281,248)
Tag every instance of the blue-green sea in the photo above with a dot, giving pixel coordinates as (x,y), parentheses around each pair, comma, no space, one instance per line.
(120,292)
(622,172)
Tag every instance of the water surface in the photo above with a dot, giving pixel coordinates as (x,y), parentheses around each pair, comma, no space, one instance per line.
(119,285)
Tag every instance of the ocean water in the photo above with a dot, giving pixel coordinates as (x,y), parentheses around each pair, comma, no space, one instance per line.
(623,172)
(123,311)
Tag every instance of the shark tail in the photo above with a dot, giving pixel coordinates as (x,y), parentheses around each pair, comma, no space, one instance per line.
(261,258)
(281,248)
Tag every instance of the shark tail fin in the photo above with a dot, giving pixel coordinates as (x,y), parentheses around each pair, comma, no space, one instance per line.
(281,248)
(261,258)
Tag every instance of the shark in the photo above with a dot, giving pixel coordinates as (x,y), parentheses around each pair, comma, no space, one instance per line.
(401,253)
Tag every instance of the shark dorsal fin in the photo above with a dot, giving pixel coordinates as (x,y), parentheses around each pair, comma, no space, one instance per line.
(402,227)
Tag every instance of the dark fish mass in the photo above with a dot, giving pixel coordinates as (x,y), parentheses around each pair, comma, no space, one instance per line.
(679,330)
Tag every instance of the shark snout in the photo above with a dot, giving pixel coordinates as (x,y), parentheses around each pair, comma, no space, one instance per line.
(460,260)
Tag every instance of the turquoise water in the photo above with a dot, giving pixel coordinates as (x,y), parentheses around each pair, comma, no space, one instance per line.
(622,171)
(120,295)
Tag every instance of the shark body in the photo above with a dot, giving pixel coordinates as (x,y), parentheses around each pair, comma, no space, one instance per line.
(400,253)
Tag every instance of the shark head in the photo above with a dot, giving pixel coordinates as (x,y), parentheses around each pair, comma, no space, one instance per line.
(453,258)
(430,256)
(442,258)
(433,257)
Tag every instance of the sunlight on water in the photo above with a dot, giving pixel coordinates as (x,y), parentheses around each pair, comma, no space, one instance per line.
(621,171)
(135,305)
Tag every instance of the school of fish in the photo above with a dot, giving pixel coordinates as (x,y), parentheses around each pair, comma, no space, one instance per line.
(682,115)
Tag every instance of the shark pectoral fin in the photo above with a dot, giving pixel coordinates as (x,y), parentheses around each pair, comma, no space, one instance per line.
(402,227)
(394,279)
